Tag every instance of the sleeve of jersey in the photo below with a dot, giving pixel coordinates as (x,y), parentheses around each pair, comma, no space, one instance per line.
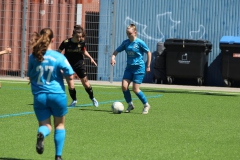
(121,47)
(144,47)
(84,48)
(66,67)
(62,46)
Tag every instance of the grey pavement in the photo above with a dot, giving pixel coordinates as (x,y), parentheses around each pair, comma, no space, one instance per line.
(148,85)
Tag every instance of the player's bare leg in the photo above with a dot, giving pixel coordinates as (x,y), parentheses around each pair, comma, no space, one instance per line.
(72,93)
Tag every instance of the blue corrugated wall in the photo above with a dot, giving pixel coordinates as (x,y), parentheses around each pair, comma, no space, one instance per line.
(158,20)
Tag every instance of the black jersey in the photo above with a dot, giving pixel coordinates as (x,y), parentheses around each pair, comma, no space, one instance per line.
(73,51)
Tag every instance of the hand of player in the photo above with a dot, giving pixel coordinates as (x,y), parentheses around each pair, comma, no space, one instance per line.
(148,69)
(8,50)
(113,62)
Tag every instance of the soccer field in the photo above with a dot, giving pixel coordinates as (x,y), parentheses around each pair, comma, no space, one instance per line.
(181,125)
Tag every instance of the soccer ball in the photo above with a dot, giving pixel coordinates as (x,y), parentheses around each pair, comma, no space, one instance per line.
(117,107)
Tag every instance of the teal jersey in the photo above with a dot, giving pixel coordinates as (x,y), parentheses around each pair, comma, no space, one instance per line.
(46,76)
(134,50)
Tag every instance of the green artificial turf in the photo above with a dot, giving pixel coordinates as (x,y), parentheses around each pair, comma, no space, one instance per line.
(181,125)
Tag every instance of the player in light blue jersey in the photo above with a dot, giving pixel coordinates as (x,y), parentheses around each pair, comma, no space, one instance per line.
(135,69)
(46,69)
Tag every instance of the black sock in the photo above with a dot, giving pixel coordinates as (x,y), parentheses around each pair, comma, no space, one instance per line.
(72,93)
(90,92)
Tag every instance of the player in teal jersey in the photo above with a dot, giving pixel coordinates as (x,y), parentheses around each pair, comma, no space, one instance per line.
(135,69)
(46,69)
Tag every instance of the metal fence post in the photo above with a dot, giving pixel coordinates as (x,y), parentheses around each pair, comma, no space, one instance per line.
(113,31)
(24,34)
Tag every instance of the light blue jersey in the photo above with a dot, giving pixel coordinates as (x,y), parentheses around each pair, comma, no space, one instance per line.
(46,76)
(134,50)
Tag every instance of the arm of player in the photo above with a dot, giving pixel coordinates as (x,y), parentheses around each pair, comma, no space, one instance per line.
(6,51)
(85,52)
(113,61)
(62,46)
(149,56)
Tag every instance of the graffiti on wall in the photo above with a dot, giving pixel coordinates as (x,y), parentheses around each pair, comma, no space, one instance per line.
(166,18)
(142,29)
(198,34)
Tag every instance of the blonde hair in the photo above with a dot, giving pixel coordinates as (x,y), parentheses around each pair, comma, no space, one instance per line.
(133,26)
(40,42)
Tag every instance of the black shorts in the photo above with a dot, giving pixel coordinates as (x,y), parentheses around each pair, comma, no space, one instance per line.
(80,69)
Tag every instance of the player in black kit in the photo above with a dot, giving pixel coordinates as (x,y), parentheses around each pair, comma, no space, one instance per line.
(75,50)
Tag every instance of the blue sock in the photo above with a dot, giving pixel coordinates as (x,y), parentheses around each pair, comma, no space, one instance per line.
(59,138)
(142,97)
(127,96)
(44,130)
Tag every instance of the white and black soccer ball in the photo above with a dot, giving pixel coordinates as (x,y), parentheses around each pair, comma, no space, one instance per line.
(117,107)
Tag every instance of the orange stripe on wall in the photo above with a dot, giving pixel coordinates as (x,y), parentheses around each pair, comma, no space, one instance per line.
(6,30)
(15,37)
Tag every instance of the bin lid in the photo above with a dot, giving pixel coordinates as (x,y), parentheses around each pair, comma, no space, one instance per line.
(180,41)
(230,40)
(188,42)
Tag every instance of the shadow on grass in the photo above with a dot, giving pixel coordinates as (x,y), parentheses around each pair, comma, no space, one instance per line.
(5,158)
(95,110)
(108,111)
(212,93)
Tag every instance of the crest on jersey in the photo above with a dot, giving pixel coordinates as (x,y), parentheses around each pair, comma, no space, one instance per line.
(66,41)
(135,46)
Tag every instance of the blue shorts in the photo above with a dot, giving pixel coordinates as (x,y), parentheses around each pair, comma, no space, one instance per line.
(46,104)
(134,77)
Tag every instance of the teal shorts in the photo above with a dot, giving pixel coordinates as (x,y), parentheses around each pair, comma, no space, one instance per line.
(46,104)
(134,77)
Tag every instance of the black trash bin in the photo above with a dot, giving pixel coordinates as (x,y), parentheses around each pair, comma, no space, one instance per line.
(230,50)
(187,59)
(160,64)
